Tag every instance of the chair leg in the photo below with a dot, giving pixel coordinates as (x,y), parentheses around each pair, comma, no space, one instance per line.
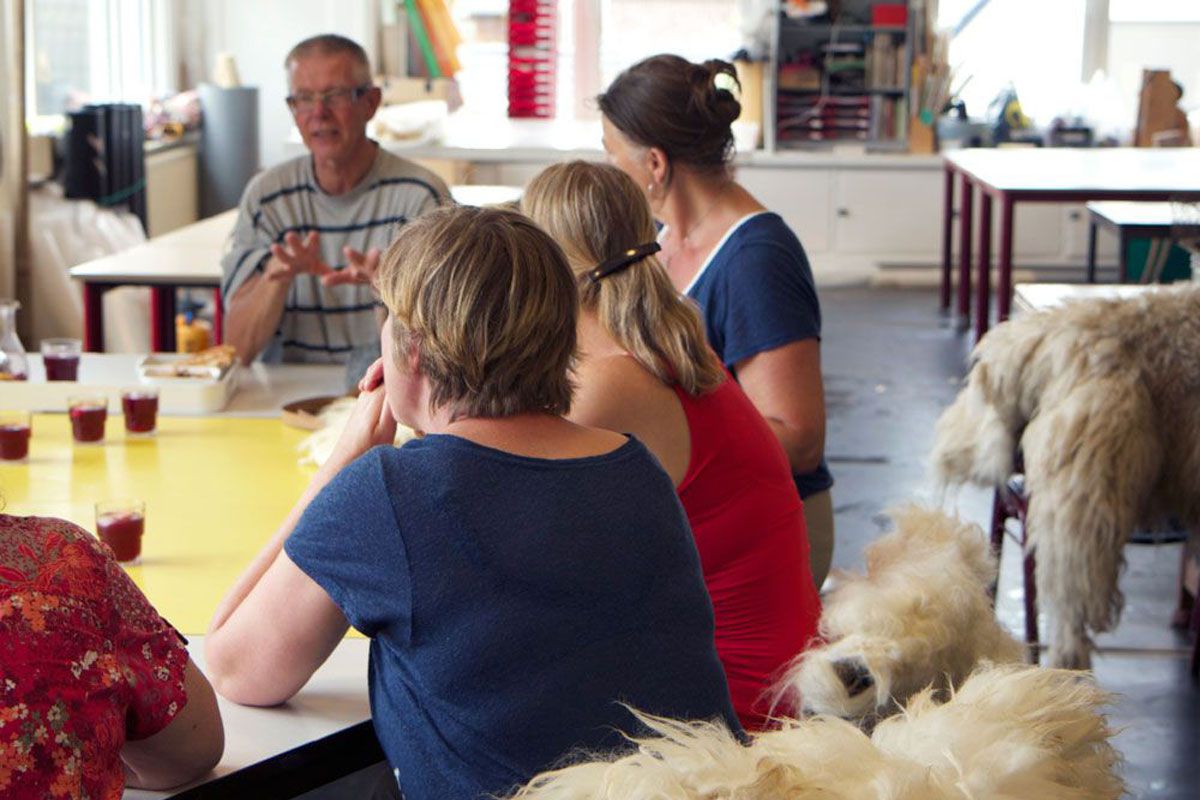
(1195,626)
(1031,608)
(999,516)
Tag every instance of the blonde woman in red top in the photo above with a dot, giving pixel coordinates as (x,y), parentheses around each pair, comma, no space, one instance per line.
(645,368)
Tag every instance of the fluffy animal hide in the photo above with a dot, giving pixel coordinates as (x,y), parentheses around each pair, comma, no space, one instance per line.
(1009,733)
(920,616)
(1101,396)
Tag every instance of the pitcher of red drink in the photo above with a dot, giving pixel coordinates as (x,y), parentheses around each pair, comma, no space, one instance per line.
(120,525)
(13,364)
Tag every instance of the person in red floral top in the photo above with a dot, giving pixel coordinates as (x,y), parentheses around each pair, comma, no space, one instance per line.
(96,690)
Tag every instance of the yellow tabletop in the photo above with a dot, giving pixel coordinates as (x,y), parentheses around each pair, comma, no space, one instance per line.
(215,490)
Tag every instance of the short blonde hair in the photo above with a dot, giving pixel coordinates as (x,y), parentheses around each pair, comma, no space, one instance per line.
(596,212)
(489,302)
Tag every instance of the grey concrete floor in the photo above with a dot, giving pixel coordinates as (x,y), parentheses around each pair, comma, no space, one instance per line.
(891,365)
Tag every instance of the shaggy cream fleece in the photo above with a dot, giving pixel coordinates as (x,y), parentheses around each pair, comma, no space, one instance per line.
(920,616)
(1103,399)
(1009,733)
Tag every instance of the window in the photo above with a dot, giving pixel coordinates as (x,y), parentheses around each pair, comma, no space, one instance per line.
(619,33)
(1153,11)
(1154,34)
(695,29)
(1034,45)
(81,51)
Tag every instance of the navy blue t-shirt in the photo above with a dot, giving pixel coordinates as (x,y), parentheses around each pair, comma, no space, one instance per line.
(756,293)
(513,604)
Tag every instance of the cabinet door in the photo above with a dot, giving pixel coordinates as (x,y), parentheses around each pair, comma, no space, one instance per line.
(894,213)
(1037,231)
(800,195)
(1075,235)
(172,193)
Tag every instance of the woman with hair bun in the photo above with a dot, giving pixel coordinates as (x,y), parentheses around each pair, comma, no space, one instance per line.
(644,368)
(667,124)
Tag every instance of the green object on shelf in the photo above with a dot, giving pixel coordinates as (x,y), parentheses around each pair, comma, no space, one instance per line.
(926,116)
(422,37)
(1178,266)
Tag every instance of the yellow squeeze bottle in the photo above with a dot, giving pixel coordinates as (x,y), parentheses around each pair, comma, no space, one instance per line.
(191,335)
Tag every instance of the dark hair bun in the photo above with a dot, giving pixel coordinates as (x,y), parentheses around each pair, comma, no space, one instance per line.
(684,109)
(711,98)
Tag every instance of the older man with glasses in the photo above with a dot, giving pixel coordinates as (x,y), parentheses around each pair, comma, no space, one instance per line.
(309,231)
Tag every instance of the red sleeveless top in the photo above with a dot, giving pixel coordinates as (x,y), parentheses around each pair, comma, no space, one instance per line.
(749,527)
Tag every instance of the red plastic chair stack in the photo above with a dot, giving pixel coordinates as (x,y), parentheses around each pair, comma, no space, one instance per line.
(532,42)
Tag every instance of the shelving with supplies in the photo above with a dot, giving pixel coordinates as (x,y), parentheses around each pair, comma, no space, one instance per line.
(836,81)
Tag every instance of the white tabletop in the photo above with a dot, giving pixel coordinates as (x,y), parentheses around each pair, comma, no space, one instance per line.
(1083,170)
(1040,296)
(334,699)
(191,255)
(259,390)
(1148,214)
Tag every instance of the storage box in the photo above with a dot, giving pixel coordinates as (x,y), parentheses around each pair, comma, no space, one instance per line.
(890,14)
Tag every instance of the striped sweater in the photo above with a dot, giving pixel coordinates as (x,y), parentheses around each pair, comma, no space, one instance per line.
(325,324)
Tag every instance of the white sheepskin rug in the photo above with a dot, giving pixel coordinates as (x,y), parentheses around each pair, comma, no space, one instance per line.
(1009,733)
(316,448)
(1103,399)
(920,616)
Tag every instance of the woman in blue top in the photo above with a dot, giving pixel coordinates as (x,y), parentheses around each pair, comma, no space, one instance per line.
(508,566)
(667,125)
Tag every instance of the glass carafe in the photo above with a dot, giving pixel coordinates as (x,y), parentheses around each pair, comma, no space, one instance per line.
(13,364)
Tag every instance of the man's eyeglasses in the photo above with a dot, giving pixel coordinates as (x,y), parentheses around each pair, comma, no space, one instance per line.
(303,102)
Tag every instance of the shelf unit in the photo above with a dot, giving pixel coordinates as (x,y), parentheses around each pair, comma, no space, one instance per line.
(833,82)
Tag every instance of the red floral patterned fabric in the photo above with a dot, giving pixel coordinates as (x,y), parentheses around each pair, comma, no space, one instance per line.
(85,663)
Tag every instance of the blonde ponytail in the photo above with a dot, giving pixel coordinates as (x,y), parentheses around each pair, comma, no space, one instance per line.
(596,212)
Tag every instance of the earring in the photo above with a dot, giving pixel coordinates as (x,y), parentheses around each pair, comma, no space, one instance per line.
(650,189)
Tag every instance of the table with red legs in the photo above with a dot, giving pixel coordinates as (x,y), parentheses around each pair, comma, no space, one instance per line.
(189,257)
(1005,177)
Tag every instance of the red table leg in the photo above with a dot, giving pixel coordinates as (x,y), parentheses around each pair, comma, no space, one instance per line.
(162,319)
(1004,279)
(218,318)
(1003,269)
(93,317)
(982,300)
(964,249)
(947,233)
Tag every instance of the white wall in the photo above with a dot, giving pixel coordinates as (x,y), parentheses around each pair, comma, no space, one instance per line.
(12,149)
(259,34)
(1155,45)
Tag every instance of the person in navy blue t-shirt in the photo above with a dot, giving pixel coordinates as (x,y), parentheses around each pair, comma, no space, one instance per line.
(522,578)
(667,125)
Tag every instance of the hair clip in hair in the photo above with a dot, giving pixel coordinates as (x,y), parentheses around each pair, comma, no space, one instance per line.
(624,260)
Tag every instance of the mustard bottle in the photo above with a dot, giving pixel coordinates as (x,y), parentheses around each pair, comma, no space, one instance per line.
(191,335)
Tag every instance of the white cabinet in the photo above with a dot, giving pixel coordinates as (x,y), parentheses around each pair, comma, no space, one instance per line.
(800,196)
(172,193)
(896,214)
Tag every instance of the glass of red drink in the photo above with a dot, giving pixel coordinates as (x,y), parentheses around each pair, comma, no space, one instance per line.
(120,525)
(61,359)
(15,429)
(140,407)
(88,414)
